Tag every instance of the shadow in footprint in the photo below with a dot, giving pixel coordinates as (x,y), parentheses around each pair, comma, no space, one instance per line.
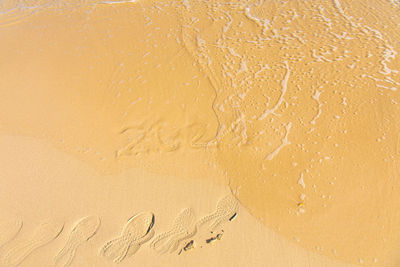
(9,230)
(83,230)
(136,231)
(182,228)
(226,210)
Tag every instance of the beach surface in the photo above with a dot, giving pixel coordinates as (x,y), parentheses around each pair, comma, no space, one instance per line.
(199,133)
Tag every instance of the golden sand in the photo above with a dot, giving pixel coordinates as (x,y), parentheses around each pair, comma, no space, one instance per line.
(52,188)
(292,104)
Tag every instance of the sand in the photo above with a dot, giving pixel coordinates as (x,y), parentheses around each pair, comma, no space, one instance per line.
(50,186)
(124,122)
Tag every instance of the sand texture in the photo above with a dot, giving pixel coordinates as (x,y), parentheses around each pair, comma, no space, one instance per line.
(199,133)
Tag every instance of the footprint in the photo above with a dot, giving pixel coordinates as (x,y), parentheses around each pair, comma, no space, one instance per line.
(226,210)
(44,234)
(84,229)
(9,230)
(137,231)
(183,228)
